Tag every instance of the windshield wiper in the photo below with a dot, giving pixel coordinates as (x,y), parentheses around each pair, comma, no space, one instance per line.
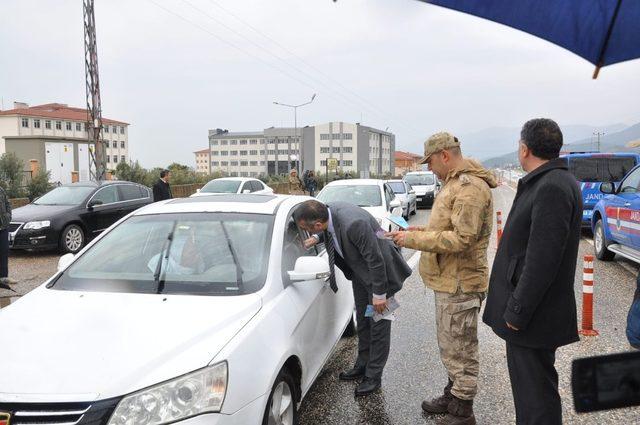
(166,246)
(234,255)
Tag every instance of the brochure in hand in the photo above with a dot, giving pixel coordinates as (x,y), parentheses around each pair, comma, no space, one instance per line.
(392,305)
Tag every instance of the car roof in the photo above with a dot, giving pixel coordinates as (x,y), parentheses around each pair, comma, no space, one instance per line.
(97,184)
(600,155)
(218,202)
(418,172)
(394,181)
(238,179)
(357,182)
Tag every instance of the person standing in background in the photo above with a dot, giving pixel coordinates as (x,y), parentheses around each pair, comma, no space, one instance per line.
(162,189)
(311,183)
(295,184)
(5,220)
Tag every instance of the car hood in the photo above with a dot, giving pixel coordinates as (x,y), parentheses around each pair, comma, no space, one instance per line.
(33,212)
(198,194)
(83,346)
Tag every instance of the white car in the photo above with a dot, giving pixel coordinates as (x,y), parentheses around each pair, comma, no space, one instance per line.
(375,196)
(425,184)
(233,185)
(406,195)
(193,311)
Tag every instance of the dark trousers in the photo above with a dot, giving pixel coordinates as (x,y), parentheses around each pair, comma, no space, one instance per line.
(4,253)
(534,383)
(374,338)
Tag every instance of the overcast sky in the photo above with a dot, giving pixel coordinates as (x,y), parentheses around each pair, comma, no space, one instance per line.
(176,68)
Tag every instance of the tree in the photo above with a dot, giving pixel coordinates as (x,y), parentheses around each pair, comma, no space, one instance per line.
(39,185)
(11,174)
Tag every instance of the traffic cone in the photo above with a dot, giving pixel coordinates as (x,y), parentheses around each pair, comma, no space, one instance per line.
(587,298)
(499,220)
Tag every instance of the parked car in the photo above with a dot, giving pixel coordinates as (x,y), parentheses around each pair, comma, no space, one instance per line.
(233,185)
(70,215)
(616,219)
(593,168)
(407,196)
(426,185)
(375,196)
(193,311)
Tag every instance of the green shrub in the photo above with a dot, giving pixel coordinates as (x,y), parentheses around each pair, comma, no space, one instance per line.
(39,185)
(11,174)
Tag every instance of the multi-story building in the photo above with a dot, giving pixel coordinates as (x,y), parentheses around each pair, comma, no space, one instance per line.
(56,135)
(405,162)
(202,161)
(357,148)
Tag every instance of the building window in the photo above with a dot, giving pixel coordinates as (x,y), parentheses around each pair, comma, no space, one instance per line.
(272,152)
(254,163)
(282,151)
(233,153)
(244,163)
(323,163)
(233,174)
(347,136)
(108,158)
(244,153)
(122,144)
(262,141)
(36,123)
(114,129)
(262,163)
(215,163)
(58,125)
(122,130)
(123,159)
(324,150)
(115,159)
(224,163)
(347,149)
(233,142)
(347,163)
(78,126)
(336,149)
(324,136)
(224,142)
(214,153)
(262,152)
(244,174)
(115,144)
(67,125)
(253,142)
(234,163)
(224,153)
(25,122)
(214,142)
(243,142)
(106,128)
(253,152)
(47,124)
(85,127)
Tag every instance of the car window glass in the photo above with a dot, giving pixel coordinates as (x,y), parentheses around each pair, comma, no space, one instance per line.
(107,195)
(388,195)
(246,186)
(397,187)
(419,179)
(600,169)
(293,248)
(256,186)
(360,195)
(631,184)
(221,186)
(129,192)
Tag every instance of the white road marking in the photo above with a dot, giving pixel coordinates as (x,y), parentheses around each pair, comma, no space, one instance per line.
(413,261)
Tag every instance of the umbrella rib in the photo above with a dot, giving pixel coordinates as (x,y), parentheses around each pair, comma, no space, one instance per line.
(600,61)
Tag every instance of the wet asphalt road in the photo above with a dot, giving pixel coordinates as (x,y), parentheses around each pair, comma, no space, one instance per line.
(414,370)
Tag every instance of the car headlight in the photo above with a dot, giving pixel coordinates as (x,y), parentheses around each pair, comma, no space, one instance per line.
(37,224)
(189,395)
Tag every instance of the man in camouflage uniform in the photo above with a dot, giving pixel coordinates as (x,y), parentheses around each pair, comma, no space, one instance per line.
(454,264)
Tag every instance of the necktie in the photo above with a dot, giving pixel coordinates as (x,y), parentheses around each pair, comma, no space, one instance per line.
(328,243)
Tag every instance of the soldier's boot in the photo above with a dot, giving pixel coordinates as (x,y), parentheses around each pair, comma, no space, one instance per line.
(439,404)
(460,412)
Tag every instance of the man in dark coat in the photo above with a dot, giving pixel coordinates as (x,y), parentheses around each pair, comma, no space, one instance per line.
(376,268)
(531,302)
(162,189)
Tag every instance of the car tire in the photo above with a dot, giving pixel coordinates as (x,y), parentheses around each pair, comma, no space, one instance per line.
(283,394)
(352,327)
(600,243)
(72,239)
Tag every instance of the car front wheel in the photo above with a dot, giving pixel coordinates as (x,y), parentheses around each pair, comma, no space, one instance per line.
(281,407)
(600,243)
(72,239)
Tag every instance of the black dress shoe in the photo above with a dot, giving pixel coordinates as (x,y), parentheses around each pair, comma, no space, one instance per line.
(351,374)
(368,386)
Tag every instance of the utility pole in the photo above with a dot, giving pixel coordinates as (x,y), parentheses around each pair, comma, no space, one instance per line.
(300,140)
(92,85)
(598,134)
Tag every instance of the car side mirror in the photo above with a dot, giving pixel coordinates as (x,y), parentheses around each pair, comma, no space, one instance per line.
(94,203)
(65,260)
(395,203)
(608,188)
(310,268)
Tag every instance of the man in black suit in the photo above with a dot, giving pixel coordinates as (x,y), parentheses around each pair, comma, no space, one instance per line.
(531,302)
(376,268)
(162,189)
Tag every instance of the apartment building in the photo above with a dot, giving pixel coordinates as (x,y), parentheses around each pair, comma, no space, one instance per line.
(275,150)
(202,161)
(56,135)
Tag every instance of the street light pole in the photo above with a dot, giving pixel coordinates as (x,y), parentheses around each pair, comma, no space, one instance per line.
(300,141)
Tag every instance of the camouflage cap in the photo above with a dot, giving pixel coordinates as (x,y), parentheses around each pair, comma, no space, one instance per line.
(438,142)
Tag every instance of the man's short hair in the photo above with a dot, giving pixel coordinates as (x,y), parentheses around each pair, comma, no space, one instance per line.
(543,137)
(311,211)
(164,173)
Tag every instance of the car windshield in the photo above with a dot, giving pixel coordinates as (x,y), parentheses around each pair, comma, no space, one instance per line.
(360,195)
(601,169)
(65,195)
(221,186)
(198,261)
(397,187)
(419,179)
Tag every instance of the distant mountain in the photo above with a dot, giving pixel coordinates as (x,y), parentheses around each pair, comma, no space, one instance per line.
(497,141)
(612,141)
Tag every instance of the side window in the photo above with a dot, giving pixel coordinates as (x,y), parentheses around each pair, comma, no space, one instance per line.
(408,186)
(631,183)
(293,248)
(256,186)
(387,195)
(107,195)
(246,186)
(129,192)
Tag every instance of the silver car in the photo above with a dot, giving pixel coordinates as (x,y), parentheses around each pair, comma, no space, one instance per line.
(406,195)
(426,185)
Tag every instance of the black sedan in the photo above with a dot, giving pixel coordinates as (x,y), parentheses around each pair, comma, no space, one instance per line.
(69,216)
